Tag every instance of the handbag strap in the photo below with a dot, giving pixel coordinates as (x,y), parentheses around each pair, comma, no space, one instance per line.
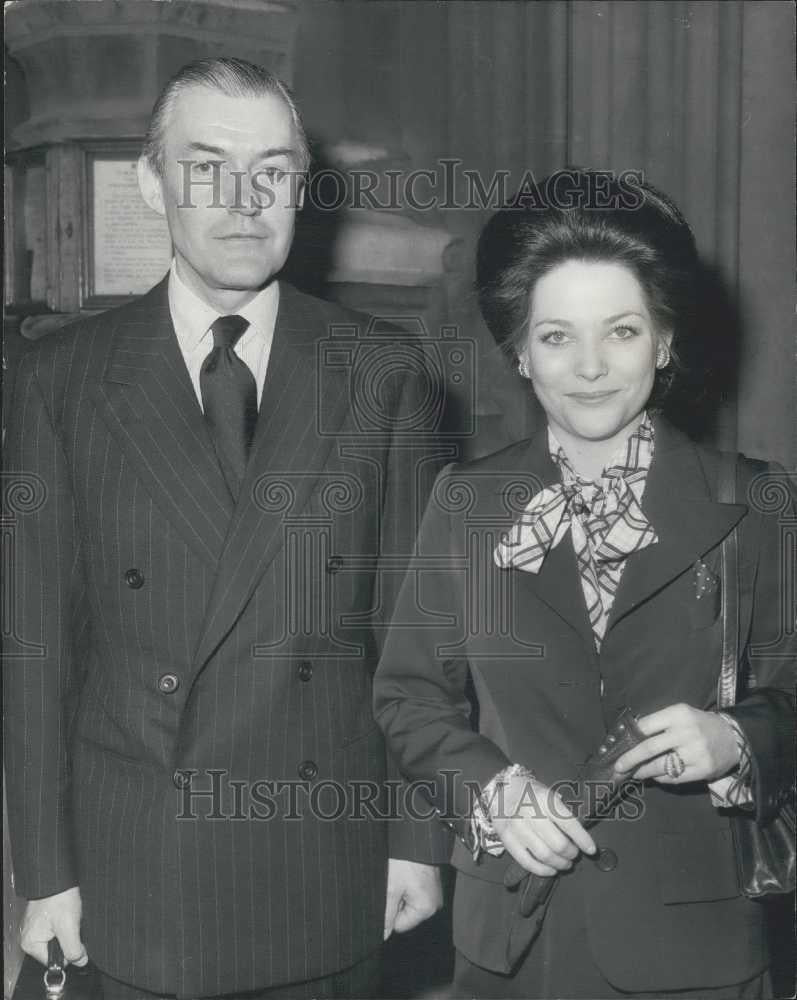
(729,609)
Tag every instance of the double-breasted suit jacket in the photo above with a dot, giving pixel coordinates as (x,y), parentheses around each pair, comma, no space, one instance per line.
(188,682)
(664,910)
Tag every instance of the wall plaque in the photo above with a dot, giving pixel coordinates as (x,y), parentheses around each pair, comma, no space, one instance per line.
(129,245)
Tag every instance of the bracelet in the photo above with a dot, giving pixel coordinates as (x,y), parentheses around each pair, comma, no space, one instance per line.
(483,836)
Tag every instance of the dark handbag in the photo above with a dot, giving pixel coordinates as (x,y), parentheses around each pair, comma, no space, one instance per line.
(57,981)
(765,854)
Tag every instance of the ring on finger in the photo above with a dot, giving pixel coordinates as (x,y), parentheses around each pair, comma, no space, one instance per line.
(674,765)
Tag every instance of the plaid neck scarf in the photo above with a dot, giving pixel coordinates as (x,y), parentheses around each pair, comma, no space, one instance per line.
(605,520)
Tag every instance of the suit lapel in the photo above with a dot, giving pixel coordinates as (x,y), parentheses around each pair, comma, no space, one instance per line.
(557,583)
(678,503)
(148,403)
(298,415)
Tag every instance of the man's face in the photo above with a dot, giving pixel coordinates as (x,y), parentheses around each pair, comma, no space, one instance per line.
(231,202)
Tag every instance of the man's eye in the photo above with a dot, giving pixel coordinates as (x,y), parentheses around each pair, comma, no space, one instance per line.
(203,167)
(273,174)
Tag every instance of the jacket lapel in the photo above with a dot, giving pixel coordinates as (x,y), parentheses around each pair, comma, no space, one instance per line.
(148,403)
(678,503)
(557,583)
(298,415)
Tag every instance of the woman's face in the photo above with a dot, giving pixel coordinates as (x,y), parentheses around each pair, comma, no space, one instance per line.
(591,350)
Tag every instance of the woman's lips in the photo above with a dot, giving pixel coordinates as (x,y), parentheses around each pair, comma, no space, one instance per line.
(592,398)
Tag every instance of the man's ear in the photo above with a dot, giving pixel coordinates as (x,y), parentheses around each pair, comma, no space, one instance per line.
(150,184)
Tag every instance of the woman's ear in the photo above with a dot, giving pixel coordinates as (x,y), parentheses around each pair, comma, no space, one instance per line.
(663,352)
(150,184)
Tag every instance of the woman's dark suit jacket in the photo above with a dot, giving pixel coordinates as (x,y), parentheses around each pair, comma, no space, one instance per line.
(669,915)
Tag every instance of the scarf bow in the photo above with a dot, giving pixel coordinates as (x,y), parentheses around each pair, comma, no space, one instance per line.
(605,519)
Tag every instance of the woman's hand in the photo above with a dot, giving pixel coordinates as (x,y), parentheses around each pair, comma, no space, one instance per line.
(537,828)
(704,741)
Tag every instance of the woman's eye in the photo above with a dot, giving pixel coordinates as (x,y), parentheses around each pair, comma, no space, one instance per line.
(554,337)
(624,332)
(203,166)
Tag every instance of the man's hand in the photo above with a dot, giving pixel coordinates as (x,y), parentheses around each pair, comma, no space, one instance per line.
(414,893)
(54,916)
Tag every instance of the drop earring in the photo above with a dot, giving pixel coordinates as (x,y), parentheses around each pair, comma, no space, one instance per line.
(523,368)
(662,356)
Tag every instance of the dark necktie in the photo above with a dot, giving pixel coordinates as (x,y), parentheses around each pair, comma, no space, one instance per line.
(229,397)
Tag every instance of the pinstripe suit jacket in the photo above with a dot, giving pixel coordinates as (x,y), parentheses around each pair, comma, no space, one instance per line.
(166,642)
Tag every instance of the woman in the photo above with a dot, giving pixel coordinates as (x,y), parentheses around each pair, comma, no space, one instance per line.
(569,576)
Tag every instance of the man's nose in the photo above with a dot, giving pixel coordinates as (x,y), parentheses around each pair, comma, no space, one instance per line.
(239,195)
(591,363)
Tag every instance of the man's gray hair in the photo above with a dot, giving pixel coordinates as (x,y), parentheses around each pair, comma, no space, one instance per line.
(234,77)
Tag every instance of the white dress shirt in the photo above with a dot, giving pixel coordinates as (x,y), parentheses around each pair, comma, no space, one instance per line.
(193,318)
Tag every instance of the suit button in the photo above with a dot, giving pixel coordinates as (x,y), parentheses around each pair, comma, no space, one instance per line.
(169,683)
(606,860)
(305,670)
(334,564)
(308,769)
(134,578)
(181,779)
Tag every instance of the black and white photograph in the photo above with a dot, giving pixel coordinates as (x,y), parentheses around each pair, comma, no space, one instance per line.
(399,479)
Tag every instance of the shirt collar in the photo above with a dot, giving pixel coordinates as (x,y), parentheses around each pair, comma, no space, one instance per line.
(192,316)
(634,455)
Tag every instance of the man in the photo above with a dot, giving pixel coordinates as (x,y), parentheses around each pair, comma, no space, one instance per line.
(199,591)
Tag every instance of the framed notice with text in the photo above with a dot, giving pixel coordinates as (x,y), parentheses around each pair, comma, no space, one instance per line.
(128,249)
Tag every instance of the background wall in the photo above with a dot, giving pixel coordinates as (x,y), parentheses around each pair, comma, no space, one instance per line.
(698,95)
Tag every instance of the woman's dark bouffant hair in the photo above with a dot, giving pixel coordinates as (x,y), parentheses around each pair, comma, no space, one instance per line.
(593,216)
